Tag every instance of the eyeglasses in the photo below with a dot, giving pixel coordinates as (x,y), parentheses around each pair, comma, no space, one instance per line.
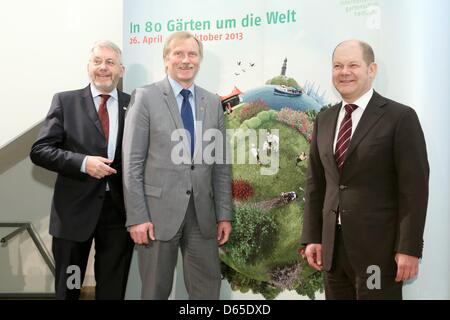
(98,62)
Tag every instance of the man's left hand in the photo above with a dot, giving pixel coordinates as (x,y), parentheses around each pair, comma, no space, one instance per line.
(223,232)
(407,267)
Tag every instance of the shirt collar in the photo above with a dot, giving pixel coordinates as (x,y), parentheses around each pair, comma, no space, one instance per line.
(176,87)
(362,101)
(95,92)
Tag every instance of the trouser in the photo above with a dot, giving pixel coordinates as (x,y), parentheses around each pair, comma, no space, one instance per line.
(201,265)
(113,251)
(343,283)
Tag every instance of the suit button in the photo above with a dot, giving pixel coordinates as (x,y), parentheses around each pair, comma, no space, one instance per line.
(100,197)
(192,167)
(342,187)
(188,192)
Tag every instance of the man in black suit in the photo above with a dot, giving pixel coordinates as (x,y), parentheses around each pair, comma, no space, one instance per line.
(367,186)
(81,140)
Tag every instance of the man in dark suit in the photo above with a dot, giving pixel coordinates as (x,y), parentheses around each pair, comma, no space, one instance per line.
(81,140)
(367,186)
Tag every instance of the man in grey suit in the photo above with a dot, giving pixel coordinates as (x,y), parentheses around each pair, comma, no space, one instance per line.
(367,186)
(174,198)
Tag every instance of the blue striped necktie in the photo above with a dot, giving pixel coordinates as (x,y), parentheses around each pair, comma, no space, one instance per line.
(188,118)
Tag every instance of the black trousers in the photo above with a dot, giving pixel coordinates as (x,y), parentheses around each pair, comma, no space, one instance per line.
(343,283)
(113,252)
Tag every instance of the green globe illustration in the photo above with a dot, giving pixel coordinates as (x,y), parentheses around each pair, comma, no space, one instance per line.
(275,123)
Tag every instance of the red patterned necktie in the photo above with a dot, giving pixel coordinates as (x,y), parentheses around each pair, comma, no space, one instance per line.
(103,115)
(344,136)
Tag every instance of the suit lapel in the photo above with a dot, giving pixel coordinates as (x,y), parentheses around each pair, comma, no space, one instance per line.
(123,102)
(89,106)
(370,116)
(329,125)
(200,111)
(172,105)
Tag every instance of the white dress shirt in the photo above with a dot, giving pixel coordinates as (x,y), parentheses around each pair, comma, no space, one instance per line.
(362,103)
(176,88)
(112,105)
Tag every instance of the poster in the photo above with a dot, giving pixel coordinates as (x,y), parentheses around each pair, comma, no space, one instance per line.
(270,62)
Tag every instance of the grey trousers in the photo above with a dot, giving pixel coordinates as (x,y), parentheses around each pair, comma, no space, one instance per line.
(201,265)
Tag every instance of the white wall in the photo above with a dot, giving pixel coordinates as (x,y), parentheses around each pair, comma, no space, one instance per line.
(45,46)
(415,70)
(26,193)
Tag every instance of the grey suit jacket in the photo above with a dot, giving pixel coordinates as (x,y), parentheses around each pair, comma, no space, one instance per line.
(156,188)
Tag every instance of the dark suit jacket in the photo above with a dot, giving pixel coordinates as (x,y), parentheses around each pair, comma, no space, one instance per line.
(71,131)
(382,193)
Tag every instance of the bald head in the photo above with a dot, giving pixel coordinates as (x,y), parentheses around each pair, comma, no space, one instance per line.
(366,49)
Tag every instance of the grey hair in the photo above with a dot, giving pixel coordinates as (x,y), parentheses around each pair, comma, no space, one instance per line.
(181,35)
(107,44)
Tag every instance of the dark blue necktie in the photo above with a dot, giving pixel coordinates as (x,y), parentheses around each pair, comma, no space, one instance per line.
(188,118)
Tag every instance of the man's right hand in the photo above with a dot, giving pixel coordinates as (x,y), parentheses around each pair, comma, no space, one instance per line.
(313,253)
(98,167)
(142,233)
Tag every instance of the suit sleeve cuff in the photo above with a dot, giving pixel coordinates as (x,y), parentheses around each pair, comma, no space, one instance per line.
(83,165)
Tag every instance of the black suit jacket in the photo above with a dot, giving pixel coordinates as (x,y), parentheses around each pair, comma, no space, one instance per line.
(382,192)
(71,131)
